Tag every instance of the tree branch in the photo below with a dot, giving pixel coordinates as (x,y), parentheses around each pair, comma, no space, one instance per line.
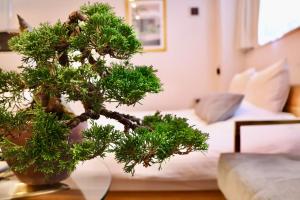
(61,48)
(132,118)
(23,25)
(85,53)
(88,114)
(188,150)
(128,124)
(75,16)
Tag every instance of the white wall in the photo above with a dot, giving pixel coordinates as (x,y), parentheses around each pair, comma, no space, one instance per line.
(187,68)
(287,47)
(231,59)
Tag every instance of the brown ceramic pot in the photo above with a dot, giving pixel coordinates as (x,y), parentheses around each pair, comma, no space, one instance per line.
(31,177)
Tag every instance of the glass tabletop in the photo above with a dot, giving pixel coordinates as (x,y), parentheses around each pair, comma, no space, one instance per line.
(90,181)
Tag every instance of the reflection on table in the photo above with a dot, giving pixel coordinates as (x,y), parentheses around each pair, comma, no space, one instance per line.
(90,181)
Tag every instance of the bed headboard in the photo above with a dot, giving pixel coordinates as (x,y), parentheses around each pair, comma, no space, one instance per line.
(293,103)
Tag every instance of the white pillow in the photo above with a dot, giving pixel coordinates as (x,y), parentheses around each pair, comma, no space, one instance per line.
(270,87)
(240,81)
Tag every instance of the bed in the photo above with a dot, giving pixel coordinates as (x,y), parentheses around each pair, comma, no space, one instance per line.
(257,175)
(197,170)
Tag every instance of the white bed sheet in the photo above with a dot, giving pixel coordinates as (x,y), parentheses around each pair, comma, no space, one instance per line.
(197,170)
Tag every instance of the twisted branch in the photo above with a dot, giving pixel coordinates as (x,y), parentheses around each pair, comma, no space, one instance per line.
(129,122)
(123,119)
(89,114)
(75,16)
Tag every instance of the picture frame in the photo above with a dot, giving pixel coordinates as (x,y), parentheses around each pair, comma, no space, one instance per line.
(148,18)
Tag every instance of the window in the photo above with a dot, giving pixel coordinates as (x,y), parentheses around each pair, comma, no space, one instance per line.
(276,18)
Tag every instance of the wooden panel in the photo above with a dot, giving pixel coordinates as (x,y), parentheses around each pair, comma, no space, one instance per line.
(293,102)
(184,195)
(239,124)
(4,37)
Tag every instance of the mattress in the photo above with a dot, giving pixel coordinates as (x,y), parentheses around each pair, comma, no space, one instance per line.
(198,170)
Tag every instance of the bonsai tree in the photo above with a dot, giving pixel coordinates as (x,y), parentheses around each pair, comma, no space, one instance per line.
(68,61)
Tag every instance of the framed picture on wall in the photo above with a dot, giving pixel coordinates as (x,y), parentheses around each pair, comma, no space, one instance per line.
(148,17)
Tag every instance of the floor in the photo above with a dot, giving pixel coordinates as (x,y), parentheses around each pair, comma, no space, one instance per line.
(197,195)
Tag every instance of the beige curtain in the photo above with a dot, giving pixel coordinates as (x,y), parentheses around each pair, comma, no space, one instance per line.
(5,14)
(247,23)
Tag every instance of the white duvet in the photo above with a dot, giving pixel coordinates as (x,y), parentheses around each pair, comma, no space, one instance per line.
(198,170)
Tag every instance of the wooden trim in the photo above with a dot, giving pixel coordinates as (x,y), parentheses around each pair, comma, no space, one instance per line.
(293,102)
(166,195)
(239,124)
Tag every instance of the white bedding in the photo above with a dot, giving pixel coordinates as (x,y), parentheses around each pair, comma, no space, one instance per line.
(197,171)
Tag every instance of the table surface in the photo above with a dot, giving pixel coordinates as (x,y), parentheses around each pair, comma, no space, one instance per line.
(90,181)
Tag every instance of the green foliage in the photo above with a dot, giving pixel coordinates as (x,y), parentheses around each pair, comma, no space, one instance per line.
(106,33)
(96,142)
(128,84)
(9,121)
(91,9)
(168,135)
(47,150)
(11,86)
(13,152)
(76,83)
(41,43)
(10,81)
(34,77)
(68,60)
